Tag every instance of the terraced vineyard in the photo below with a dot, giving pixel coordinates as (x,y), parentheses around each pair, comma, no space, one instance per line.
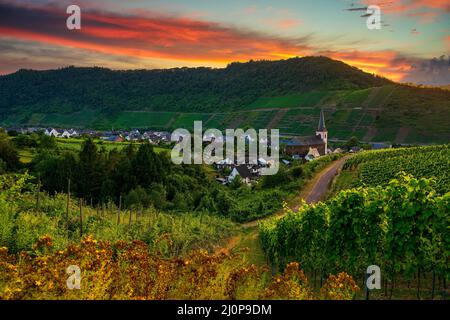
(372,114)
(377,167)
(130,119)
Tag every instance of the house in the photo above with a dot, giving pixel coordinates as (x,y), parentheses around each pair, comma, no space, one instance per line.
(87,132)
(301,145)
(117,138)
(112,137)
(313,153)
(73,133)
(243,171)
(134,135)
(222,180)
(220,165)
(69,133)
(163,135)
(65,134)
(52,132)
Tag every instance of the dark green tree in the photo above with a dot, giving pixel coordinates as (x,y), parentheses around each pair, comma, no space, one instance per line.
(90,171)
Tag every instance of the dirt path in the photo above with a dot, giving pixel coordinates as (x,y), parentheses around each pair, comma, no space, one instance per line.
(322,181)
(314,191)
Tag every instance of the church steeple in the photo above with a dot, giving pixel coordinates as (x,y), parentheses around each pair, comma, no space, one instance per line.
(321,126)
(322,130)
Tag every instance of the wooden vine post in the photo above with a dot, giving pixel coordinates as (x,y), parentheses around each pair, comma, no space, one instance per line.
(38,192)
(118,210)
(81,218)
(67,208)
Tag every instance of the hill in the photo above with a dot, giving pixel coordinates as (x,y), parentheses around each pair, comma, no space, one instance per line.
(285,94)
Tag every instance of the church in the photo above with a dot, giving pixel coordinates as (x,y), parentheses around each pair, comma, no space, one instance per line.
(305,145)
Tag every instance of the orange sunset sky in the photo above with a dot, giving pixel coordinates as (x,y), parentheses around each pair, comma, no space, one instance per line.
(413,44)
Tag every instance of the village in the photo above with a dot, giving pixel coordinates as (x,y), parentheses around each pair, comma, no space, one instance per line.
(292,148)
(152,136)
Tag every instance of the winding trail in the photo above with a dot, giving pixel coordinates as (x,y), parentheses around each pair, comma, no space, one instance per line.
(321,183)
(314,191)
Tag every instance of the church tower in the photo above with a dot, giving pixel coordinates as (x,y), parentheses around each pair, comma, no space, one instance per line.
(322,130)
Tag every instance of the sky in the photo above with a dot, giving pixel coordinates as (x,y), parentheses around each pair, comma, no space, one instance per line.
(413,44)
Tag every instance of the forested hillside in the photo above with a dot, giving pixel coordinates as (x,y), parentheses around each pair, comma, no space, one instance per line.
(286,94)
(181,89)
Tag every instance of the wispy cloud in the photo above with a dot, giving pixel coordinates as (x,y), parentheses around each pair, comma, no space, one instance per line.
(36,37)
(142,36)
(426,11)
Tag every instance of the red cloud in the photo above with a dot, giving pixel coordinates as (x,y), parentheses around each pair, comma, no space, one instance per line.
(385,63)
(176,39)
(154,37)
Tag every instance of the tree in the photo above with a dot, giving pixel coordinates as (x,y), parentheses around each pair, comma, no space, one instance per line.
(352,142)
(156,196)
(236,182)
(8,153)
(139,198)
(47,142)
(91,171)
(46,167)
(25,140)
(148,167)
(2,166)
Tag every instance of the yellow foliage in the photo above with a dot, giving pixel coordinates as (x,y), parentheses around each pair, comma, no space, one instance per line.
(129,270)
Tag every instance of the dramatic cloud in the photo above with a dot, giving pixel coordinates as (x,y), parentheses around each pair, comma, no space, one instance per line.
(431,72)
(155,36)
(386,63)
(36,37)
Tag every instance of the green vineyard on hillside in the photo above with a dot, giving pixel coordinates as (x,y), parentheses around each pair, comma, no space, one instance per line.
(379,166)
(402,228)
